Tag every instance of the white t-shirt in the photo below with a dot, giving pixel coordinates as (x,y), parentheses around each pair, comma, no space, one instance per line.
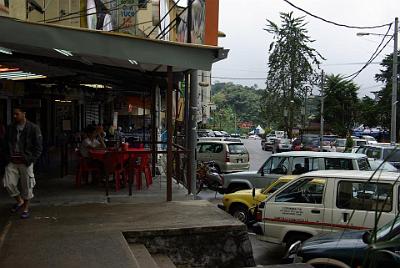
(88,144)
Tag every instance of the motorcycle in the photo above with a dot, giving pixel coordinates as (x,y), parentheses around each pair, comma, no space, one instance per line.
(207,175)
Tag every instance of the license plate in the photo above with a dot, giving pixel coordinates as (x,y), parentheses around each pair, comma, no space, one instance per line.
(240,160)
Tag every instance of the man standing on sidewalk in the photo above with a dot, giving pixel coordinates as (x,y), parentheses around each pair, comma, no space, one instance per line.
(23,146)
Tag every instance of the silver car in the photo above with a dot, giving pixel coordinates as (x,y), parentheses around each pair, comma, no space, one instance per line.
(229,156)
(293,163)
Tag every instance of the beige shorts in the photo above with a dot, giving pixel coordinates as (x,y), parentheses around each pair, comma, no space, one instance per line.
(19,180)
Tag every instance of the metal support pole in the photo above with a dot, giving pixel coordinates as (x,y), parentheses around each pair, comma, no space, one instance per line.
(176,155)
(192,130)
(153,133)
(187,130)
(322,112)
(170,133)
(393,130)
(144,118)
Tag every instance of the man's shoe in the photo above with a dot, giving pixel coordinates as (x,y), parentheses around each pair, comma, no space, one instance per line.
(16,207)
(25,215)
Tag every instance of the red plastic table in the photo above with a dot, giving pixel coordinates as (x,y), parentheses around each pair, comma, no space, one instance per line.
(110,157)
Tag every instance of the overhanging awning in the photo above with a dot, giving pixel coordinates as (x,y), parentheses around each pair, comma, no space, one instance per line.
(105,48)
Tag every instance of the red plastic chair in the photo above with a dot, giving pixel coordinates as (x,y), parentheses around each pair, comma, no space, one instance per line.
(143,167)
(114,164)
(83,170)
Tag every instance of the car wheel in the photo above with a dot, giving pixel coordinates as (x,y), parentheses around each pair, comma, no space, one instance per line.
(240,212)
(291,239)
(327,263)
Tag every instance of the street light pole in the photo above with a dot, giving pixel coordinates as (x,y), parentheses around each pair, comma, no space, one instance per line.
(393,132)
(322,112)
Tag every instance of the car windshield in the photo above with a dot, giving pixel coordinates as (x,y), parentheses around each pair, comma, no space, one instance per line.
(392,154)
(387,229)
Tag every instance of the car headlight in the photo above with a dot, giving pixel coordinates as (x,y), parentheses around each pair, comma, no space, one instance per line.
(294,248)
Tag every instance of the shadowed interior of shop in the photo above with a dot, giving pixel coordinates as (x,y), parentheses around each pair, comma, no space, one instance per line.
(67,89)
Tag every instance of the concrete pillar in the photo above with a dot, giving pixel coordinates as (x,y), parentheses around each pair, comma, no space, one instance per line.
(170,133)
(192,139)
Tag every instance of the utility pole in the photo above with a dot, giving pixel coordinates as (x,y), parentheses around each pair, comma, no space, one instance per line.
(393,132)
(322,112)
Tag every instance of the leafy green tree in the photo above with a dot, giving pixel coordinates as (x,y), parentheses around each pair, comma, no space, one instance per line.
(232,99)
(340,104)
(292,66)
(384,107)
(368,112)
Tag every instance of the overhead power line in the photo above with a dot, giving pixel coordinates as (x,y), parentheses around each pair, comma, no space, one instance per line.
(162,19)
(239,78)
(335,23)
(375,54)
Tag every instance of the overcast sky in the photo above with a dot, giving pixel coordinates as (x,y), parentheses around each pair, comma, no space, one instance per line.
(243,21)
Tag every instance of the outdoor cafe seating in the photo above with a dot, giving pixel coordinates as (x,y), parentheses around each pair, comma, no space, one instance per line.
(122,162)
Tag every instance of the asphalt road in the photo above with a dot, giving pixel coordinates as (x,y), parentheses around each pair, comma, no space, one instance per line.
(257,155)
(264,253)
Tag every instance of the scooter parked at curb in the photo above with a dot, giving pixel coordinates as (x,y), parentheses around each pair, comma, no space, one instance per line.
(207,175)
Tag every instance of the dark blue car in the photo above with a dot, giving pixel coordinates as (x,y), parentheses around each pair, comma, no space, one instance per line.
(352,248)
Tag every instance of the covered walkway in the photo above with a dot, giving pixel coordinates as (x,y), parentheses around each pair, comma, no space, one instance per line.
(57,63)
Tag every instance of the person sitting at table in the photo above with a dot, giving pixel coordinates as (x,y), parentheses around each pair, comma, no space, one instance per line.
(94,140)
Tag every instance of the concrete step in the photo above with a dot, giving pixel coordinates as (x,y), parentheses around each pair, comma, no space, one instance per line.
(143,256)
(163,261)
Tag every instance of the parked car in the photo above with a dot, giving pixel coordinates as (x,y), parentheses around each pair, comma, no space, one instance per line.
(292,163)
(359,142)
(254,137)
(297,145)
(228,156)
(239,203)
(341,200)
(379,151)
(369,139)
(283,145)
(340,145)
(218,133)
(226,134)
(205,133)
(268,144)
(219,139)
(382,165)
(352,248)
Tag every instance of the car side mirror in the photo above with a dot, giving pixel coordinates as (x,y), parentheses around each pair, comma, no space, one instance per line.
(253,193)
